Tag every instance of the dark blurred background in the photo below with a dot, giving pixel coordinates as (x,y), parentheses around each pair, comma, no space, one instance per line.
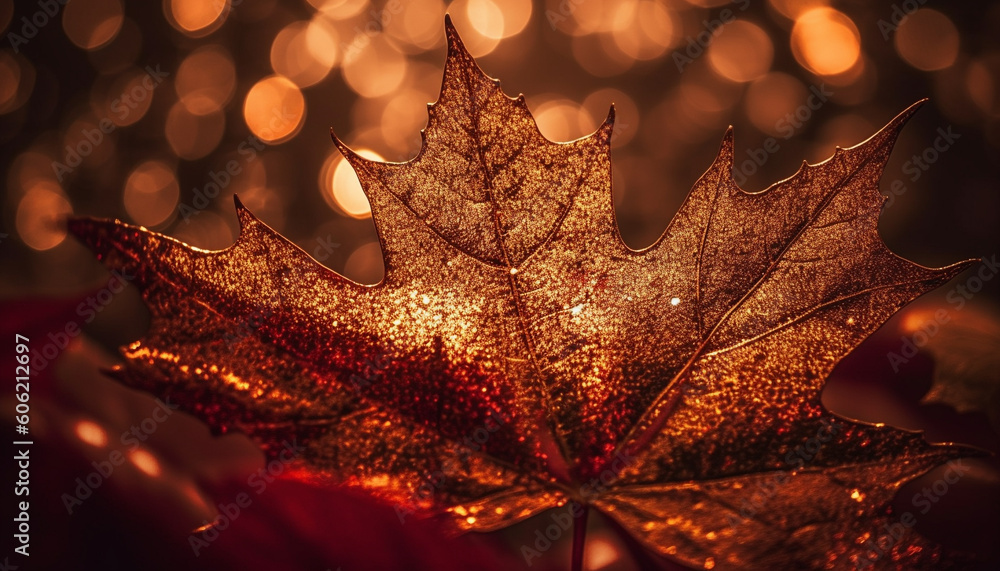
(158,112)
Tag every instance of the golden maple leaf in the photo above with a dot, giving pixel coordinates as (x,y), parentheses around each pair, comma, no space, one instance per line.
(518,355)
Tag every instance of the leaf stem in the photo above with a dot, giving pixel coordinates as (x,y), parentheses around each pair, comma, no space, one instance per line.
(579,537)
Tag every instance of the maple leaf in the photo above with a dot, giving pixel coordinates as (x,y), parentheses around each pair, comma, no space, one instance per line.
(518,355)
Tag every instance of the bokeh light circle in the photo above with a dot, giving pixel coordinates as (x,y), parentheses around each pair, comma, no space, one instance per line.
(206,79)
(40,216)
(92,24)
(196,18)
(741,52)
(771,99)
(927,40)
(825,41)
(374,69)
(151,193)
(340,186)
(193,136)
(305,51)
(274,109)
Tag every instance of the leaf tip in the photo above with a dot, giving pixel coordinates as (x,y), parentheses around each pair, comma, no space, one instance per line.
(356,160)
(960,267)
(456,48)
(889,133)
(75,225)
(243,214)
(606,130)
(337,141)
(98,235)
(728,137)
(726,150)
(345,150)
(899,120)
(951,450)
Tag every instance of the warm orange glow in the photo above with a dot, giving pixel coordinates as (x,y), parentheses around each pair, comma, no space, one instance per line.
(913,321)
(128,99)
(27,168)
(145,462)
(121,52)
(76,137)
(741,52)
(590,17)
(826,41)
(486,17)
(418,25)
(498,243)
(643,30)
(792,9)
(17,81)
(770,99)
(206,79)
(560,119)
(92,24)
(91,433)
(339,9)
(193,136)
(705,98)
(597,105)
(981,81)
(600,553)
(207,231)
(235,382)
(855,75)
(40,215)
(305,51)
(340,186)
(365,264)
(481,22)
(274,109)
(403,117)
(843,131)
(266,203)
(196,17)
(374,70)
(692,113)
(599,55)
(253,175)
(151,193)
(516,16)
(193,495)
(927,40)
(202,528)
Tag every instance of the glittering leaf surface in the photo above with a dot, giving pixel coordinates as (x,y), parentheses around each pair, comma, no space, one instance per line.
(518,355)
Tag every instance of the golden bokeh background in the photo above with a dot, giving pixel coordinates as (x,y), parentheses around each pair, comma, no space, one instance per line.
(259,82)
(158,112)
